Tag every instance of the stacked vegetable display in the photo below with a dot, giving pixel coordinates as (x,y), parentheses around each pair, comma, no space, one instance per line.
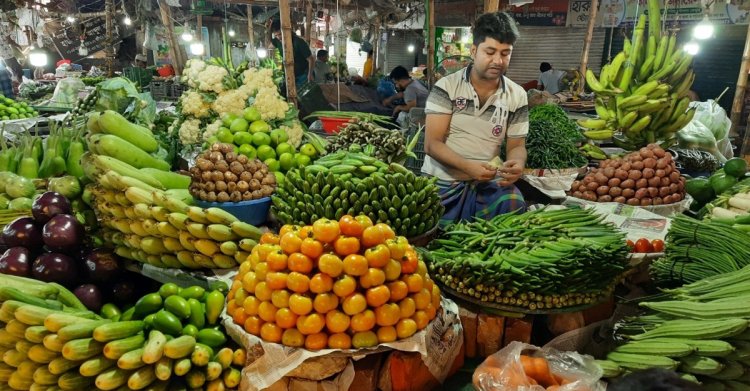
(144,206)
(351,182)
(552,139)
(541,260)
(642,92)
(220,175)
(32,158)
(50,343)
(642,178)
(10,109)
(725,184)
(699,330)
(369,288)
(387,145)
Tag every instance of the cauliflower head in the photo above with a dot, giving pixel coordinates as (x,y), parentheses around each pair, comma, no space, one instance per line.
(212,129)
(192,68)
(232,101)
(295,133)
(193,104)
(254,79)
(190,131)
(270,104)
(211,79)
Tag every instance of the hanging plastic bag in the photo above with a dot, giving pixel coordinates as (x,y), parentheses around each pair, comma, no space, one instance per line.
(713,116)
(524,367)
(696,135)
(66,92)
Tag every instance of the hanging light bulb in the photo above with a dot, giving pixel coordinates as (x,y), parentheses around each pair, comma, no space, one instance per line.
(692,48)
(70,19)
(83,50)
(37,57)
(704,29)
(410,48)
(261,52)
(187,36)
(127,20)
(231,33)
(197,49)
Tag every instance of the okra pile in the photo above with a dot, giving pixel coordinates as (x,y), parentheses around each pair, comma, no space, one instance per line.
(699,330)
(698,249)
(538,260)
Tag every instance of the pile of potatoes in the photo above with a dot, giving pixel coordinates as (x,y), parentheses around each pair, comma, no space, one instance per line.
(645,177)
(221,175)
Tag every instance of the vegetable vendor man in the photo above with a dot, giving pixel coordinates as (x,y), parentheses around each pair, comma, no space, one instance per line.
(470,114)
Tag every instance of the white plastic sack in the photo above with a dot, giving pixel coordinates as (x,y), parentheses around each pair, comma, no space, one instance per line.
(714,117)
(696,135)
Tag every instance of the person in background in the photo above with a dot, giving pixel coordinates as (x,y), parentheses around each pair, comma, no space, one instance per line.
(414,93)
(304,61)
(7,47)
(322,71)
(367,71)
(6,81)
(549,79)
(470,114)
(140,61)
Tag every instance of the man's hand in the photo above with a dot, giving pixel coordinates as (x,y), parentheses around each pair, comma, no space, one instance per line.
(511,171)
(481,172)
(269,22)
(310,77)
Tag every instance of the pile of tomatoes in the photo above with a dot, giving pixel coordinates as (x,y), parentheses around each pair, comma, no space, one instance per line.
(645,246)
(334,284)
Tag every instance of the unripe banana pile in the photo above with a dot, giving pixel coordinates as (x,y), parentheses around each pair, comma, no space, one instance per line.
(642,92)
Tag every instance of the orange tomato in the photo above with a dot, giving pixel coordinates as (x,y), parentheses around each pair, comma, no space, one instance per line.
(285,318)
(339,341)
(230,296)
(355,265)
(392,270)
(414,282)
(372,236)
(300,304)
(299,262)
(292,337)
(325,302)
(239,317)
(277,261)
(249,282)
(373,277)
(280,298)
(298,282)
(435,296)
(264,250)
(365,339)
(354,304)
(316,341)
(377,296)
(311,247)
(405,328)
(311,323)
(271,332)
(245,267)
(254,257)
(364,221)
(431,312)
(421,319)
(331,264)
(407,307)
(337,322)
(428,284)
(320,283)
(286,228)
(397,246)
(326,230)
(344,286)
(261,271)
(421,268)
(267,311)
(350,226)
(386,230)
(250,305)
(269,238)
(262,291)
(409,262)
(387,314)
(290,242)
(346,245)
(239,297)
(276,280)
(378,256)
(398,289)
(422,299)
(363,321)
(252,325)
(387,334)
(305,232)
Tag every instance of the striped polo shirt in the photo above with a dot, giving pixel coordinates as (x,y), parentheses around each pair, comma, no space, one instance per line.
(475,133)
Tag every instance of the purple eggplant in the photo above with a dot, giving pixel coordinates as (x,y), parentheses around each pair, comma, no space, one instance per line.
(55,267)
(16,261)
(101,266)
(23,232)
(49,205)
(90,296)
(63,233)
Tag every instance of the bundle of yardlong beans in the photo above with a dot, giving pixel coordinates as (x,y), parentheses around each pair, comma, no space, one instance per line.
(698,249)
(536,260)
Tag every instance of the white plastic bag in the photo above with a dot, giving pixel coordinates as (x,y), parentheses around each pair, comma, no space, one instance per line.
(713,116)
(66,92)
(504,370)
(696,135)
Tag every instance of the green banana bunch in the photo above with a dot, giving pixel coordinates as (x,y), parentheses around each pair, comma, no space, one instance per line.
(642,92)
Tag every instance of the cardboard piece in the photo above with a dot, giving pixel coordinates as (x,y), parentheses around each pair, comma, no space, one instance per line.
(559,324)
(469,322)
(490,330)
(518,330)
(366,372)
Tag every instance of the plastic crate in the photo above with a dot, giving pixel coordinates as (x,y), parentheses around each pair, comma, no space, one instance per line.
(158,90)
(415,165)
(177,90)
(139,76)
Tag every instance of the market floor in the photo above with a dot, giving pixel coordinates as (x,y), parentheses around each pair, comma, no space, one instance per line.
(461,380)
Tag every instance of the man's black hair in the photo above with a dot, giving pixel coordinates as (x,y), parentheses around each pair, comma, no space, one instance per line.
(370,52)
(499,26)
(653,380)
(544,67)
(276,25)
(322,53)
(399,73)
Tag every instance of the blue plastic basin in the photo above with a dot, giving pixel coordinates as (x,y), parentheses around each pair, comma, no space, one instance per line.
(253,212)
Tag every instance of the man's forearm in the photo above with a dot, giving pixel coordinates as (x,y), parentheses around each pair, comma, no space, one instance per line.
(517,153)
